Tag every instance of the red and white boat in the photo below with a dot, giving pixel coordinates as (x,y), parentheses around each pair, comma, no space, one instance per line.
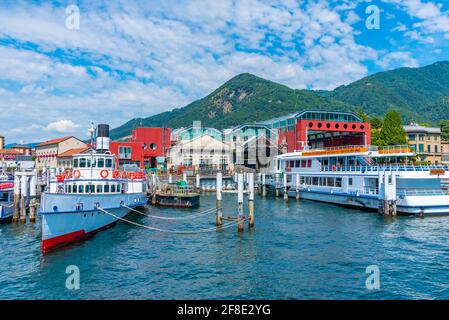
(70,207)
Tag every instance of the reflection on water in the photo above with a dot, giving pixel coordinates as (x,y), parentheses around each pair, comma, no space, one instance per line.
(297,250)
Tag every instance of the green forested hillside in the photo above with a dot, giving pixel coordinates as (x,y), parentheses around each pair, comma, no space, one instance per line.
(419,94)
(243,99)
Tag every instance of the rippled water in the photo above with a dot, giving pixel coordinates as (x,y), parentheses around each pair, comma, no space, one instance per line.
(299,250)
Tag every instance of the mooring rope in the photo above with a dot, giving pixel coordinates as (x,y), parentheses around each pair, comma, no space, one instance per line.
(174,231)
(192,216)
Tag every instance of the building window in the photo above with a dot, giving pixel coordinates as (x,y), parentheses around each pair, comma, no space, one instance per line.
(421,147)
(411,137)
(436,149)
(428,148)
(124,152)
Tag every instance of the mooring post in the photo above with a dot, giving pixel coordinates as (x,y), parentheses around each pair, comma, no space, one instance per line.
(184,177)
(219,215)
(170,178)
(240,201)
(386,193)
(17,188)
(297,186)
(24,192)
(276,178)
(264,187)
(251,199)
(33,203)
(393,208)
(198,181)
(285,187)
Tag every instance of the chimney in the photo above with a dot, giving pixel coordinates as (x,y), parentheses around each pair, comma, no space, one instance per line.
(103,138)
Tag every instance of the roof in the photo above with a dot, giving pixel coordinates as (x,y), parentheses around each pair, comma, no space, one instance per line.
(73,151)
(9,151)
(422,129)
(327,116)
(53,141)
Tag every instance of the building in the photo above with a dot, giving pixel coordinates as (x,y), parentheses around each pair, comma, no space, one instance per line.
(2,142)
(24,150)
(13,158)
(445,152)
(320,129)
(65,159)
(147,148)
(252,145)
(202,153)
(47,152)
(425,142)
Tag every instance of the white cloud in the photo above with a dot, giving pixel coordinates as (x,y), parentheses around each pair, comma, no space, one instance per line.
(62,126)
(398,58)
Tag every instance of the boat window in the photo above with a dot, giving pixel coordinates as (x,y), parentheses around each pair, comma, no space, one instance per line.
(82,162)
(94,163)
(303,180)
(113,188)
(338,182)
(88,164)
(81,189)
(99,188)
(106,188)
(118,188)
(4,196)
(75,163)
(330,182)
(350,181)
(90,188)
(100,162)
(108,163)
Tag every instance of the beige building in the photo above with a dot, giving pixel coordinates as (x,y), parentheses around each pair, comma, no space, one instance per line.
(426,142)
(445,152)
(201,153)
(48,151)
(2,142)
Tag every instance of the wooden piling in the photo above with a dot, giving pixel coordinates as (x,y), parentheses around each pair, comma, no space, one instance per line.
(184,177)
(24,192)
(33,202)
(219,215)
(170,178)
(264,186)
(251,199)
(285,187)
(298,180)
(240,201)
(198,181)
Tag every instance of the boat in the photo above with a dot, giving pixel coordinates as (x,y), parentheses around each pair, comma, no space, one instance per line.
(365,177)
(176,195)
(89,198)
(6,199)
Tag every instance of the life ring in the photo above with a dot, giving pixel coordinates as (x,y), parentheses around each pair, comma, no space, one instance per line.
(104,173)
(116,174)
(68,174)
(76,174)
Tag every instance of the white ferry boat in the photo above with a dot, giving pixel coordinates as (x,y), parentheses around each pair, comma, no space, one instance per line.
(6,198)
(365,177)
(70,205)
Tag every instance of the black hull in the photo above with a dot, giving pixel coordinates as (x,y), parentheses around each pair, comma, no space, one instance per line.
(175,201)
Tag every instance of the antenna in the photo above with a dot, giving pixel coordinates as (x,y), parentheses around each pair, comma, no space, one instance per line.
(91,130)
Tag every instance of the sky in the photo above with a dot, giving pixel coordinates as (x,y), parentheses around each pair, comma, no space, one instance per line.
(64,64)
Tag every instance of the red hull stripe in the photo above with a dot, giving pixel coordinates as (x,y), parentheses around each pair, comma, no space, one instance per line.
(52,243)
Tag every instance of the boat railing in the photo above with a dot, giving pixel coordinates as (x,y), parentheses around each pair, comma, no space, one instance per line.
(422,192)
(377,168)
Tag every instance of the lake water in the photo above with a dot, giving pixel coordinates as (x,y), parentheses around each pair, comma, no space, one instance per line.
(297,250)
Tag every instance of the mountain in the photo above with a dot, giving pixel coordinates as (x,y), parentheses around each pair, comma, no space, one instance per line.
(409,90)
(419,94)
(243,99)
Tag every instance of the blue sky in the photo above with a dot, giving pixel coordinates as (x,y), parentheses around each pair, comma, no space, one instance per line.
(138,58)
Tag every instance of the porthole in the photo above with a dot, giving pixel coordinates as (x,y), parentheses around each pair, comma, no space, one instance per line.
(345,126)
(354,126)
(153,146)
(328,125)
(310,124)
(320,125)
(337,126)
(362,127)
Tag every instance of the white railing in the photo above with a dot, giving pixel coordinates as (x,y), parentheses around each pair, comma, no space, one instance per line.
(377,168)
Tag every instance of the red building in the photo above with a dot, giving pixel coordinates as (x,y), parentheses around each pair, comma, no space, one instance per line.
(146,148)
(321,129)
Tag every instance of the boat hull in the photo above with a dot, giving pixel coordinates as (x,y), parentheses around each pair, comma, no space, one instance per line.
(409,205)
(62,228)
(177,201)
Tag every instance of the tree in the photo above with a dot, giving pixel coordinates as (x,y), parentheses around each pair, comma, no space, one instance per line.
(376,123)
(376,139)
(392,132)
(445,130)
(362,115)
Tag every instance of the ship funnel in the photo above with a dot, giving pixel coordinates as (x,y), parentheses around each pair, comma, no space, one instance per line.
(103,138)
